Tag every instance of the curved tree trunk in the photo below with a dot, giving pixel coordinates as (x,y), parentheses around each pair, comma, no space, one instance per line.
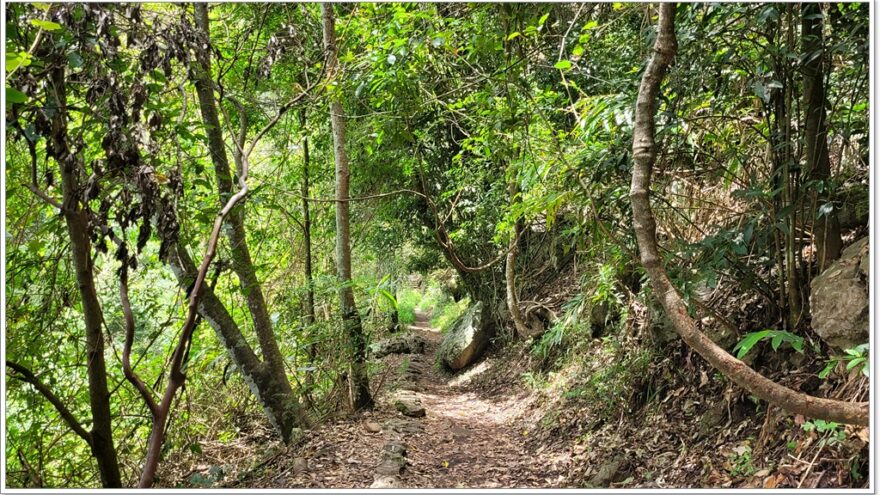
(359,390)
(644,224)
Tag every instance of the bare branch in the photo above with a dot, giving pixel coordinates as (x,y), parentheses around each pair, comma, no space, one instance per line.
(24,374)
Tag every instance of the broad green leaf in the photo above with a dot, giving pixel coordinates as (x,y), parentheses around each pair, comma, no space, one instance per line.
(390,297)
(777,340)
(563,64)
(46,25)
(15,96)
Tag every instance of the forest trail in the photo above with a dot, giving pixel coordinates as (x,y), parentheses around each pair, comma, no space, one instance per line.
(467,438)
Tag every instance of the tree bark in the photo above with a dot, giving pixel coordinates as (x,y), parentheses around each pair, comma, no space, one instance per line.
(274,389)
(826,228)
(510,274)
(644,224)
(77,219)
(307,247)
(359,390)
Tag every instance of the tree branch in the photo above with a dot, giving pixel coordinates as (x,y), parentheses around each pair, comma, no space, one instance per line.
(27,376)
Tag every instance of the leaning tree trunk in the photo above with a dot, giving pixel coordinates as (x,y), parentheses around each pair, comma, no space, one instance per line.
(644,155)
(359,390)
(77,219)
(277,397)
(826,230)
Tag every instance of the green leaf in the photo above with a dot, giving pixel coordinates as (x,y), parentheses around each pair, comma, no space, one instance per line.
(75,60)
(855,362)
(46,25)
(15,96)
(563,64)
(746,344)
(777,340)
(390,297)
(16,60)
(827,369)
(513,35)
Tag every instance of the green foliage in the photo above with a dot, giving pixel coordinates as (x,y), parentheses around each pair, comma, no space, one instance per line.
(855,358)
(611,387)
(832,432)
(776,337)
(407,301)
(741,462)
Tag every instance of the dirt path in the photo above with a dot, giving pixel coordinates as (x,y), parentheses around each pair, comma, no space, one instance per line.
(465,440)
(469,441)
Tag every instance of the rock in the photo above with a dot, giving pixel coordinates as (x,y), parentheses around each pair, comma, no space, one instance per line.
(392,461)
(466,339)
(410,407)
(398,344)
(659,325)
(402,426)
(390,466)
(373,427)
(394,449)
(300,465)
(386,482)
(839,301)
(608,472)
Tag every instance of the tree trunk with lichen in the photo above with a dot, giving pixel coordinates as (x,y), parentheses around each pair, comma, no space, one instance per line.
(268,378)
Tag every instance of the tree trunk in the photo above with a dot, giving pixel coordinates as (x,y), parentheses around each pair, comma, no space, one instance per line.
(274,387)
(644,224)
(359,391)
(271,390)
(510,274)
(826,227)
(77,220)
(307,245)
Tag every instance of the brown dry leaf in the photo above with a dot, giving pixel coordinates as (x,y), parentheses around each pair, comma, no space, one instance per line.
(771,482)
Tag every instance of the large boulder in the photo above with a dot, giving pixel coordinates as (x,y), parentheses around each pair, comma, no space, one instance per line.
(839,298)
(466,339)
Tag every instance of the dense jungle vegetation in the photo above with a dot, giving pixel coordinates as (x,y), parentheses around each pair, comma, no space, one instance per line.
(423,245)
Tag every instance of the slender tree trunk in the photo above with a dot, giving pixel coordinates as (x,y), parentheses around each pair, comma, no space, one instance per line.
(826,227)
(510,273)
(644,224)
(278,395)
(307,229)
(77,219)
(359,390)
(307,245)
